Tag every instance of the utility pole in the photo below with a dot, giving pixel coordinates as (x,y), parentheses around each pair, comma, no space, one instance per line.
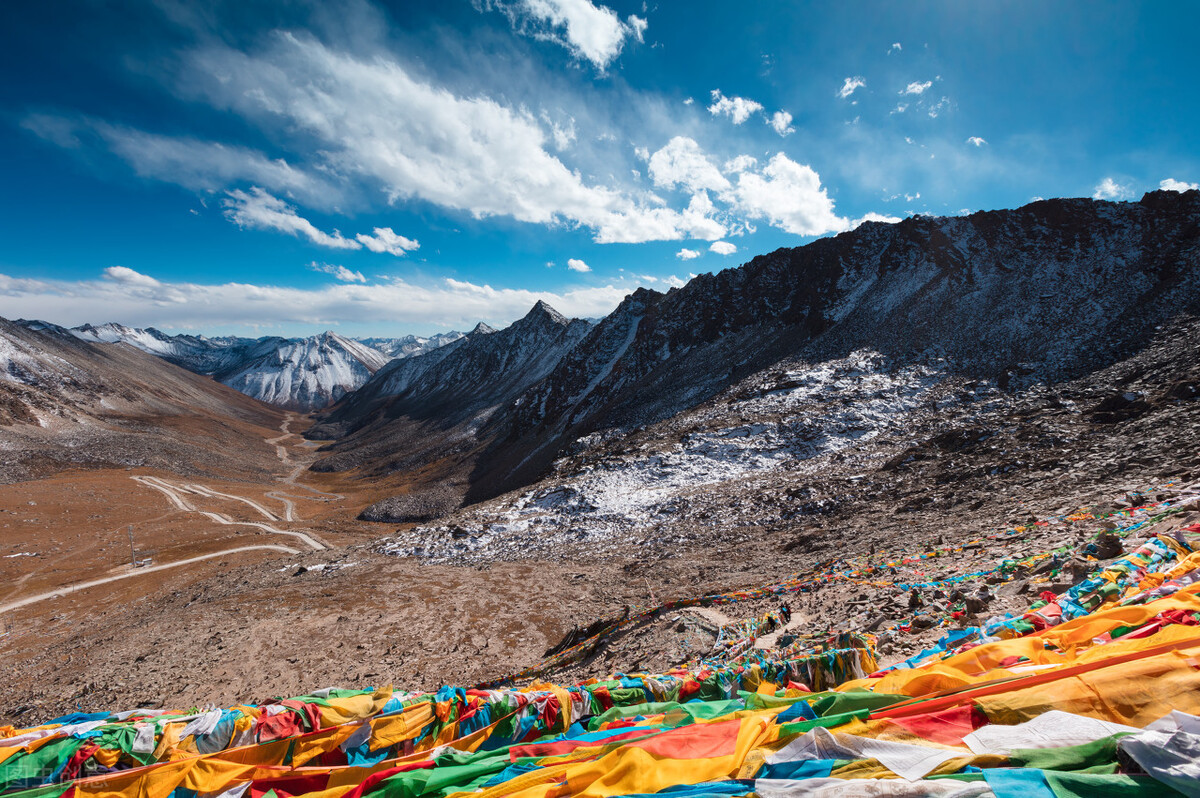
(132,551)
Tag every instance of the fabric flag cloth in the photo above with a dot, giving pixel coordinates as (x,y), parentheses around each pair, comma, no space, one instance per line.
(910,762)
(1053,729)
(869,788)
(1169,751)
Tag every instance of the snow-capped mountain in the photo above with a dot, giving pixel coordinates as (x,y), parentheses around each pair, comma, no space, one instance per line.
(68,403)
(307,374)
(455,388)
(471,377)
(299,374)
(411,345)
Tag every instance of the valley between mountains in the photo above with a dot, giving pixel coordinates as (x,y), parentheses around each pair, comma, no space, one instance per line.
(450,510)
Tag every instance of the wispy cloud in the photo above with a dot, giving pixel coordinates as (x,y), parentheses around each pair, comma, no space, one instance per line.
(977,141)
(385,239)
(895,48)
(257,209)
(339,272)
(374,122)
(851,85)
(916,87)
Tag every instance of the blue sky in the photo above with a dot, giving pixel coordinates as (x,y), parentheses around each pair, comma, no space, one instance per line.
(384,168)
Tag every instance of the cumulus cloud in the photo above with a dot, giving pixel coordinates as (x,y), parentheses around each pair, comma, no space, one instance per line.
(738,109)
(851,85)
(374,122)
(740,163)
(682,163)
(1171,184)
(687,254)
(916,87)
(781,121)
(385,239)
(977,141)
(257,209)
(722,247)
(875,217)
(576,265)
(141,300)
(895,48)
(339,272)
(590,32)
(1109,189)
(790,196)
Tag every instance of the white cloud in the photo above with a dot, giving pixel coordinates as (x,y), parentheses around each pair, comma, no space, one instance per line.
(916,87)
(895,48)
(938,107)
(192,163)
(687,254)
(1171,184)
(899,109)
(875,217)
(851,85)
(722,247)
(977,141)
(590,32)
(373,122)
(576,265)
(257,209)
(740,163)
(689,101)
(682,163)
(126,276)
(674,281)
(339,272)
(143,301)
(1109,189)
(789,195)
(781,121)
(738,109)
(386,240)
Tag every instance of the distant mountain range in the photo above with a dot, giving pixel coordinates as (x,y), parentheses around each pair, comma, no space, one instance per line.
(294,373)
(1038,294)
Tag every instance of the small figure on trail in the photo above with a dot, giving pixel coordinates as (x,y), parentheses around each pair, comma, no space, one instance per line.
(914,600)
(785,612)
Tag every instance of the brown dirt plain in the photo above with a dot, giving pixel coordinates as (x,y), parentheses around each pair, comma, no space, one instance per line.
(248,625)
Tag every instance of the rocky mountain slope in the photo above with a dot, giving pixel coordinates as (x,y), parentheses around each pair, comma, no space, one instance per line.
(443,397)
(67,403)
(1007,299)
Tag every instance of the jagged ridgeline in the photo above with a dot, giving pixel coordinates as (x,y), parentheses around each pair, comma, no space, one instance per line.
(294,373)
(1044,292)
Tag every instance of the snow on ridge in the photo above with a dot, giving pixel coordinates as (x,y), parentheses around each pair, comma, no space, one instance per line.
(615,499)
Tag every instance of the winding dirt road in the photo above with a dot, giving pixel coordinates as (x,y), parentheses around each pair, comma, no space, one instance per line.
(136,572)
(183,495)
